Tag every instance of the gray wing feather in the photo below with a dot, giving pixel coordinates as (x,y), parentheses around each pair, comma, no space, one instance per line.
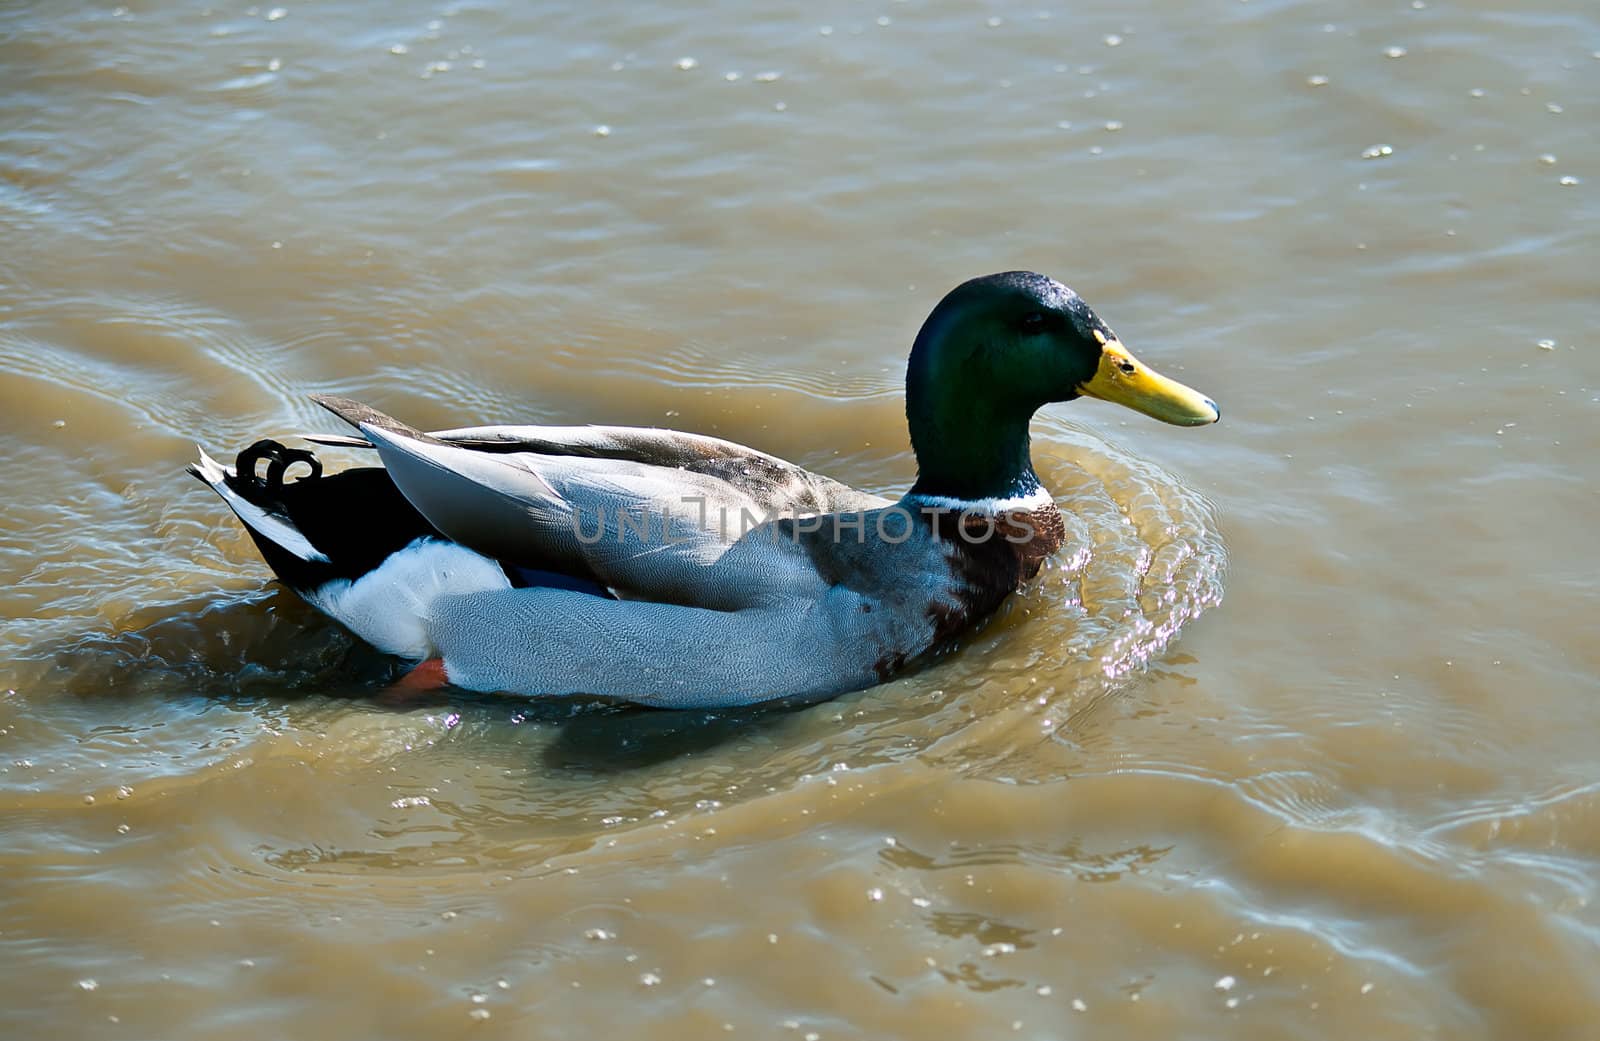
(773,484)
(648,532)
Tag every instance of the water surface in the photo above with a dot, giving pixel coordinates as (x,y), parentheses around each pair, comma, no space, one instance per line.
(1295,739)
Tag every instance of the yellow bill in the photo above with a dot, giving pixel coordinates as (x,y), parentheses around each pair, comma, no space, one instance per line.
(1126,380)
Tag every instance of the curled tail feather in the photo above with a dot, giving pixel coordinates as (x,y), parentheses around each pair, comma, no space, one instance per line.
(253,498)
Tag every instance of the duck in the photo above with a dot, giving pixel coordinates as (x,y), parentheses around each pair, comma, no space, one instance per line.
(678,570)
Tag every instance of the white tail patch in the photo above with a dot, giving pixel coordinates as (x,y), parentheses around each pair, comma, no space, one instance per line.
(391,605)
(274,528)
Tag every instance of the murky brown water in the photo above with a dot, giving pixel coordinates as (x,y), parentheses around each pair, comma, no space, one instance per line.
(1357,798)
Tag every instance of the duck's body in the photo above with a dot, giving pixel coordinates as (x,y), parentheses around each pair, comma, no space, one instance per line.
(678,570)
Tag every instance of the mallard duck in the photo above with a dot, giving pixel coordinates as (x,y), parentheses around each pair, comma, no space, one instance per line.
(680,570)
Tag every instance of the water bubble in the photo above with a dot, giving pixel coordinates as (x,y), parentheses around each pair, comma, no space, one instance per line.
(597,934)
(826,30)
(1225,983)
(884,19)
(88,984)
(399,48)
(1079,1006)
(649,979)
(768,77)
(1378,152)
(1568,181)
(1317,81)
(124,792)
(1231,1003)
(276,13)
(1113,40)
(1476,92)
(995,22)
(685,64)
(1547,159)
(1394,52)
(1113,124)
(602,131)
(1552,107)
(478,1015)
(731,77)
(875,894)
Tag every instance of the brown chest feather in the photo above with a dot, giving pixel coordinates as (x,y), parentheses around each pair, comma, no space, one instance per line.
(991,556)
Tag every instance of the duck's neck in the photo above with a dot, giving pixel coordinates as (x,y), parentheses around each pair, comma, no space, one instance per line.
(968,446)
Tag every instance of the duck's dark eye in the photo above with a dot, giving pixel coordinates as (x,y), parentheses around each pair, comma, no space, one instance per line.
(1032,322)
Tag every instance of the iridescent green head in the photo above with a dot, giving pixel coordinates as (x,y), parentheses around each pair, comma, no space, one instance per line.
(995,350)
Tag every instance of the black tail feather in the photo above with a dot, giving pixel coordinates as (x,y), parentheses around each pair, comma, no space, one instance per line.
(279,458)
(355,518)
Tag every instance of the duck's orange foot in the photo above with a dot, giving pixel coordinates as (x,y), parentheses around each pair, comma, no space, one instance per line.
(415,685)
(429,675)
